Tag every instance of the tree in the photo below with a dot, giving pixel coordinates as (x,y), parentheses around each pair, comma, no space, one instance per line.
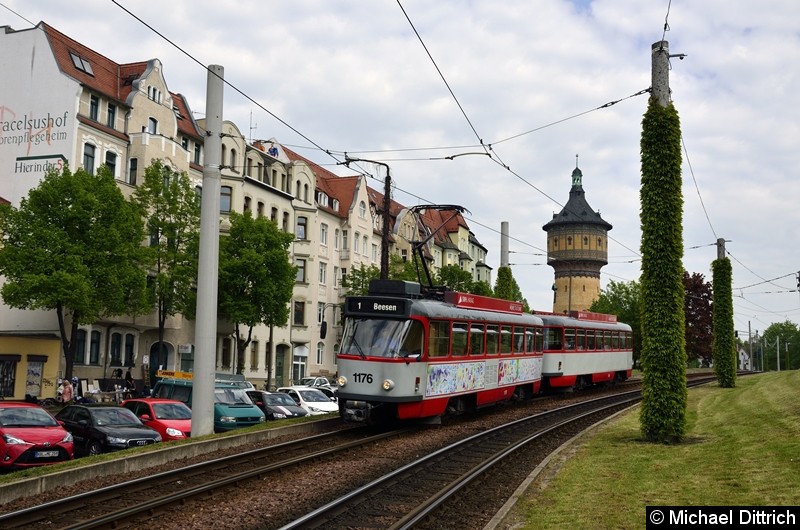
(482,288)
(664,394)
(74,245)
(172,212)
(783,336)
(400,269)
(506,288)
(725,356)
(698,316)
(454,278)
(624,300)
(358,279)
(256,278)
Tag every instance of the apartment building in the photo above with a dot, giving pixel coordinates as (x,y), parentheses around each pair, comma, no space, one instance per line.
(71,105)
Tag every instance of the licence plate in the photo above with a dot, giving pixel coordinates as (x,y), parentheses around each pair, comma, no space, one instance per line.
(46,454)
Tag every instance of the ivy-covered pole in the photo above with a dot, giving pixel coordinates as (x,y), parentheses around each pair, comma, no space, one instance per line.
(663,411)
(723,348)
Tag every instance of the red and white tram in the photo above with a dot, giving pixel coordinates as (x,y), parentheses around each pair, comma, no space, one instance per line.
(404,355)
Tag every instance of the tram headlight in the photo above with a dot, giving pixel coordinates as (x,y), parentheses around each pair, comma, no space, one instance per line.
(388,384)
(341,380)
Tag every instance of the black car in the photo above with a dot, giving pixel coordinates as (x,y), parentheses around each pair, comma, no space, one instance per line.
(101,428)
(276,406)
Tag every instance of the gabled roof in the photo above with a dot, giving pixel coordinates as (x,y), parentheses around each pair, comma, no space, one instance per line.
(343,189)
(95,71)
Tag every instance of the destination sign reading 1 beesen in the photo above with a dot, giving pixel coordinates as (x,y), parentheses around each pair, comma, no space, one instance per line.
(377,306)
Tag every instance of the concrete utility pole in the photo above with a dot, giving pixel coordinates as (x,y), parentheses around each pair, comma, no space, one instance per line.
(205,335)
(660,72)
(504,244)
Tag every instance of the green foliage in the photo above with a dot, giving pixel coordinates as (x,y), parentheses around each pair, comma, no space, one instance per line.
(624,300)
(482,288)
(663,411)
(725,356)
(256,278)
(454,278)
(699,321)
(172,213)
(506,288)
(783,336)
(358,278)
(403,270)
(74,245)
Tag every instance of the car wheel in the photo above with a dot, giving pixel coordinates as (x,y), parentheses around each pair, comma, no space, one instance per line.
(94,448)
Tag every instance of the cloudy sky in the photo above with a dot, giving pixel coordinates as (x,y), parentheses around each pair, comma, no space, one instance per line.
(537,82)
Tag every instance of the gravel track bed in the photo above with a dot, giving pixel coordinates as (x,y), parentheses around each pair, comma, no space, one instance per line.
(276,500)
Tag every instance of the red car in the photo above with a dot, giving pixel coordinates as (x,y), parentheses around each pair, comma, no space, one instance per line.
(30,436)
(171,418)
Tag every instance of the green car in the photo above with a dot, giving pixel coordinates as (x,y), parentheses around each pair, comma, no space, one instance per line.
(232,407)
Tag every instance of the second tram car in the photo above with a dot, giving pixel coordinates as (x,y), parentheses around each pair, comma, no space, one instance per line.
(405,355)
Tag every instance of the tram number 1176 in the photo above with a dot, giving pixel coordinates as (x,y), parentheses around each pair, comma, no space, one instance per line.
(362,378)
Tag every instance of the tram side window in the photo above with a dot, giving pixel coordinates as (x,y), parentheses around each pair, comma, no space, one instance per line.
(590,340)
(519,339)
(581,339)
(539,339)
(607,340)
(628,340)
(553,339)
(615,340)
(530,339)
(460,338)
(569,334)
(412,343)
(439,339)
(492,338)
(476,339)
(505,339)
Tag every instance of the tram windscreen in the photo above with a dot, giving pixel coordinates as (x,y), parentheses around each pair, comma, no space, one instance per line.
(373,337)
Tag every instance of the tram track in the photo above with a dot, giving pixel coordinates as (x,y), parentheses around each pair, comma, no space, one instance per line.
(451,483)
(130,504)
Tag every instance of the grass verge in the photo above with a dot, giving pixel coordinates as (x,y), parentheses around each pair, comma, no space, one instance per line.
(742,448)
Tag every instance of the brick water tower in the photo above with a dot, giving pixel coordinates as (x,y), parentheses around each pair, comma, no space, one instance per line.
(577,248)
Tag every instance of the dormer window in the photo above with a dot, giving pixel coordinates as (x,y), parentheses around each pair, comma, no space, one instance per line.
(81,64)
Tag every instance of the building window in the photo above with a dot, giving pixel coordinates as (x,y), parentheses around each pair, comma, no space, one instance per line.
(301,228)
(301,270)
(80,347)
(320,352)
(254,355)
(305,192)
(116,347)
(337,236)
(8,373)
(299,313)
(335,276)
(323,234)
(152,125)
(356,242)
(323,273)
(81,64)
(225,193)
(111,116)
(364,245)
(362,210)
(88,158)
(233,160)
(374,252)
(320,312)
(585,241)
(285,221)
(260,209)
(111,162)
(129,340)
(345,244)
(94,107)
(94,348)
(274,215)
(226,353)
(133,170)
(196,153)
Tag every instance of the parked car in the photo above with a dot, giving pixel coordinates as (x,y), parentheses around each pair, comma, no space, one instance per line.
(311,399)
(323,384)
(276,406)
(30,436)
(102,427)
(232,407)
(170,417)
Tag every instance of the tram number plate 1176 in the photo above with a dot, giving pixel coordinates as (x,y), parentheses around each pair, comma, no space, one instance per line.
(362,378)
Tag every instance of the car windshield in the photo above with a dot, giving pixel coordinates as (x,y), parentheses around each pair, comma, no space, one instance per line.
(231,396)
(172,411)
(279,399)
(26,417)
(114,416)
(313,396)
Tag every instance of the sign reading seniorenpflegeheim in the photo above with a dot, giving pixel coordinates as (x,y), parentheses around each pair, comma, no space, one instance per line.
(38,114)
